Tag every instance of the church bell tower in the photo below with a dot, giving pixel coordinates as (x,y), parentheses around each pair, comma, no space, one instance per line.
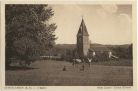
(83,43)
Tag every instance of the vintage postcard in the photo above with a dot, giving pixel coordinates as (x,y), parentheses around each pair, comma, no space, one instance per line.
(68,45)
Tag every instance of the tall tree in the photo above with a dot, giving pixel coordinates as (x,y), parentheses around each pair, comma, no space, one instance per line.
(28,31)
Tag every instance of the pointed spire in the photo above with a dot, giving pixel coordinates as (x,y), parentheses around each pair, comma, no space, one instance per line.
(83,29)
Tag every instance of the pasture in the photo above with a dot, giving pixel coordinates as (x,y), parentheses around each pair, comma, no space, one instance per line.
(50,73)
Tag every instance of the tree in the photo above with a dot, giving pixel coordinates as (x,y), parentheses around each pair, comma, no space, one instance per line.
(130,51)
(28,31)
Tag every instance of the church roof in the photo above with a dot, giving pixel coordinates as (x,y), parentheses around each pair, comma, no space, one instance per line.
(83,29)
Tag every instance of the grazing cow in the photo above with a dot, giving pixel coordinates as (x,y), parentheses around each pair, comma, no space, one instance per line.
(76,61)
(89,60)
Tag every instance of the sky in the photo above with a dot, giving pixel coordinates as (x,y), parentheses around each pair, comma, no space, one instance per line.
(106,24)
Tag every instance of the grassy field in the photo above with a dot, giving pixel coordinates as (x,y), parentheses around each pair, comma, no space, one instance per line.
(49,73)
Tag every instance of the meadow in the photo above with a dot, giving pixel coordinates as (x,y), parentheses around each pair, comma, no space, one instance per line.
(50,73)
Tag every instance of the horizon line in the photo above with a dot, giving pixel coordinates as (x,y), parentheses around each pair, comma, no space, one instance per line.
(97,43)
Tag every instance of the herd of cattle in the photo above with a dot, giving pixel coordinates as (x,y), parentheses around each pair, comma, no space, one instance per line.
(96,58)
(93,58)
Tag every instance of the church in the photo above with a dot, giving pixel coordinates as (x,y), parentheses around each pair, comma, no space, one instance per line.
(83,43)
(84,46)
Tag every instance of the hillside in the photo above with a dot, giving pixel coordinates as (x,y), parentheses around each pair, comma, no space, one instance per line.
(72,46)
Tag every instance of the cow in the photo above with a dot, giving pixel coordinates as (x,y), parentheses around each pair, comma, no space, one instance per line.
(76,61)
(89,60)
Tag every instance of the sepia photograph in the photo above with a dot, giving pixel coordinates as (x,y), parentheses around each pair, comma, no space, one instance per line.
(68,45)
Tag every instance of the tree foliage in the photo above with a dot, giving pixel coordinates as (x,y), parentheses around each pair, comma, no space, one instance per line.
(124,52)
(28,31)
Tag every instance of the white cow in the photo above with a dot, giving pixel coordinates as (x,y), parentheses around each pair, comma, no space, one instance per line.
(77,60)
(89,60)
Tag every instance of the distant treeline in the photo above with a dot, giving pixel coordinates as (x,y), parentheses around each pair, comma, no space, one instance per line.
(123,51)
(66,51)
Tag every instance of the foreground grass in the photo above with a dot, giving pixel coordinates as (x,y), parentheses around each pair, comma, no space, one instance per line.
(120,62)
(49,73)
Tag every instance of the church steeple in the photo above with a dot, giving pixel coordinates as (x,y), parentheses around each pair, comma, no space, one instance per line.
(83,44)
(82,29)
